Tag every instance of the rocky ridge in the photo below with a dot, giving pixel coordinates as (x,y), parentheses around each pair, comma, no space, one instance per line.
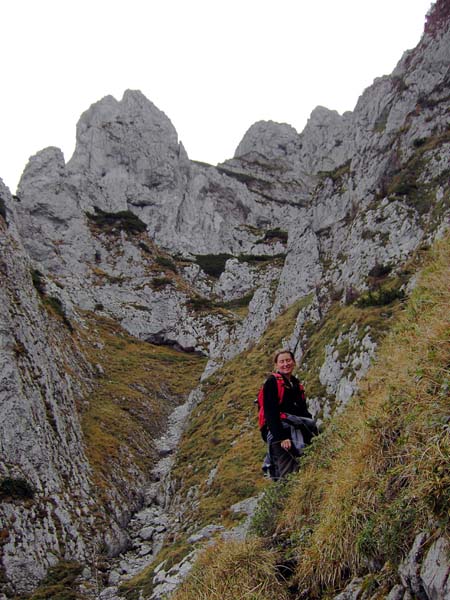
(124,228)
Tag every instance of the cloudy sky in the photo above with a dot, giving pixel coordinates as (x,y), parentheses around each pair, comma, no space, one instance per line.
(213,66)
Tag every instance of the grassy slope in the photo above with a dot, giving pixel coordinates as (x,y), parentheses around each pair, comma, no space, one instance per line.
(377,476)
(138,385)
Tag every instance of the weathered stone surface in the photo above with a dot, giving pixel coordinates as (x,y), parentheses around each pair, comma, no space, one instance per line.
(409,570)
(40,437)
(353,591)
(397,593)
(435,570)
(356,362)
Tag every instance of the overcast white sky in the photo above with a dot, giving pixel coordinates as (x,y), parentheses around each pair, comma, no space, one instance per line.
(213,66)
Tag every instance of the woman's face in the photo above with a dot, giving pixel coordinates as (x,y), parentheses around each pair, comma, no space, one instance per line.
(285,363)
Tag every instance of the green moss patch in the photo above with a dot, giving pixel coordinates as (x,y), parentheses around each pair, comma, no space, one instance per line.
(212,264)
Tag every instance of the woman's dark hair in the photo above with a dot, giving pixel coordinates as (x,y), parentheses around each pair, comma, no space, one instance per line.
(282,351)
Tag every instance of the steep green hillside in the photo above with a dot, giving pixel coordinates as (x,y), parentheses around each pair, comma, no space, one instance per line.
(377,475)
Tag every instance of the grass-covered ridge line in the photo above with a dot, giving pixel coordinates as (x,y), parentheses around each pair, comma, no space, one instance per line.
(379,474)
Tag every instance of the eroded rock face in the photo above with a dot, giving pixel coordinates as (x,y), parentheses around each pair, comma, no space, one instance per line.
(44,473)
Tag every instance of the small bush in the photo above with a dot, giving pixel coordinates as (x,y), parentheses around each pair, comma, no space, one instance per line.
(15,489)
(2,208)
(380,297)
(264,521)
(124,220)
(260,258)
(212,264)
(59,582)
(380,271)
(351,295)
(276,234)
(238,302)
(38,281)
(143,246)
(160,282)
(200,303)
(418,142)
(57,307)
(166,263)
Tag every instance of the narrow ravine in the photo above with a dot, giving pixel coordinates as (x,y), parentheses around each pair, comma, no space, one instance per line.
(148,528)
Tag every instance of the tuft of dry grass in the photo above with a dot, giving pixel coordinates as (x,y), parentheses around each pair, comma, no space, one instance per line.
(234,569)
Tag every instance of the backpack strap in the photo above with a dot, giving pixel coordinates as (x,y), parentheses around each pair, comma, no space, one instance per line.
(280,386)
(280,389)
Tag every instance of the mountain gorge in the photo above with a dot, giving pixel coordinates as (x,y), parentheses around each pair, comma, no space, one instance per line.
(142,296)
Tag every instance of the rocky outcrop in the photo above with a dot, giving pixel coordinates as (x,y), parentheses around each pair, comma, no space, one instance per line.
(337,199)
(424,574)
(45,487)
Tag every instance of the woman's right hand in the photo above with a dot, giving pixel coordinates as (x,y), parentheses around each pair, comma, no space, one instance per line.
(286,444)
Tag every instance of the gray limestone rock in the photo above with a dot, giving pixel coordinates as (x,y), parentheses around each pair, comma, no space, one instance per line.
(435,570)
(409,570)
(353,591)
(396,593)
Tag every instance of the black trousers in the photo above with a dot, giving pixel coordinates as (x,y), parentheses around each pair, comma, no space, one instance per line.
(284,461)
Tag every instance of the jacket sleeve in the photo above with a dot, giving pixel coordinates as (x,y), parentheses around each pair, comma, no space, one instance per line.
(272,410)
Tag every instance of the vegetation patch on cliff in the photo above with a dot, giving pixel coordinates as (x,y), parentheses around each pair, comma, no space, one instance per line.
(413,183)
(212,264)
(61,582)
(110,222)
(372,319)
(53,304)
(380,473)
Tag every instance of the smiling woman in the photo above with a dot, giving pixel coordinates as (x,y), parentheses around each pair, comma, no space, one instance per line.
(288,421)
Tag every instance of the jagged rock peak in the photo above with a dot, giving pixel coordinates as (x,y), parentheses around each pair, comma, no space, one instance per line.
(271,139)
(113,132)
(324,117)
(44,165)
